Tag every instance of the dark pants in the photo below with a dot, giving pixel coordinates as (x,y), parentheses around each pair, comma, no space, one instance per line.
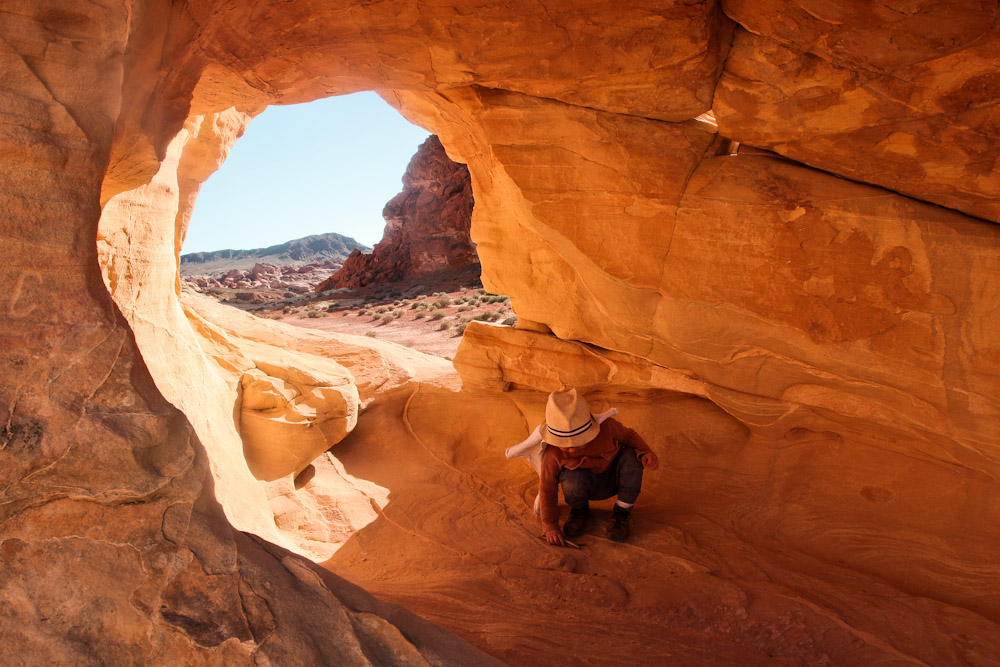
(623,477)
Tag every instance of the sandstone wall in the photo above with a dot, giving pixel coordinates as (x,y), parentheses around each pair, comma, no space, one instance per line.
(848,325)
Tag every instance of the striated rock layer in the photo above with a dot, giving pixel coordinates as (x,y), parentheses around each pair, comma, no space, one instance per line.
(805,330)
(427,225)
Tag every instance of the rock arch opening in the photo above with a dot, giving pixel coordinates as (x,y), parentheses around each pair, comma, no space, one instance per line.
(827,325)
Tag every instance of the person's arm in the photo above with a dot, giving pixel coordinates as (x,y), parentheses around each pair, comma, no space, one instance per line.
(548,494)
(630,438)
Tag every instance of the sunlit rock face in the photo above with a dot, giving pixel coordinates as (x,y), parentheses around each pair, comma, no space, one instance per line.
(822,305)
(426,225)
(902,98)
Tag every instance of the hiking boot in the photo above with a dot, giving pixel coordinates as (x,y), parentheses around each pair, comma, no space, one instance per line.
(576,522)
(618,531)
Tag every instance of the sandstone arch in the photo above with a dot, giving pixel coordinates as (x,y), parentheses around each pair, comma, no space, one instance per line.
(846,327)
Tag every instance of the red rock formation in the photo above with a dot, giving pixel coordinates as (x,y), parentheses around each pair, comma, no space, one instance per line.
(427,224)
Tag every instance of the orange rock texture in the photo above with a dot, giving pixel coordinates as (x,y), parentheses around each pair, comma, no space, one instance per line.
(426,225)
(803,327)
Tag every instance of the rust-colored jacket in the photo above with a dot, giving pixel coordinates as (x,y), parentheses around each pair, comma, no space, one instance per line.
(595,456)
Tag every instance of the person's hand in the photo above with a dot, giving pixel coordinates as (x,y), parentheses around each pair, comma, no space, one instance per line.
(649,460)
(555,537)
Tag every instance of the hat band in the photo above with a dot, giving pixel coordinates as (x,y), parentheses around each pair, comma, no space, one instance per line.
(569,434)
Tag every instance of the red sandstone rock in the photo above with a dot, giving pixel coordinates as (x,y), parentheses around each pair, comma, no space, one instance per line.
(817,359)
(427,225)
(874,100)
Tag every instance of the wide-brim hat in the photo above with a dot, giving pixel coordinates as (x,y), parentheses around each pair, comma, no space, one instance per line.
(568,422)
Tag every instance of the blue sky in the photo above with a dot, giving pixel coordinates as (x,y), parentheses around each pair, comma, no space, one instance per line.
(326,166)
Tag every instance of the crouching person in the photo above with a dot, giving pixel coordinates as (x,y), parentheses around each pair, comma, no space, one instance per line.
(591,461)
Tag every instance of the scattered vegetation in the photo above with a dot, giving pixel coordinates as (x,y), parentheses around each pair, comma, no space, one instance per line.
(437,314)
(510,321)
(372,334)
(445,325)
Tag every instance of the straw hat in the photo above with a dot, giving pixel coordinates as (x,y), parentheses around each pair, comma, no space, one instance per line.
(568,422)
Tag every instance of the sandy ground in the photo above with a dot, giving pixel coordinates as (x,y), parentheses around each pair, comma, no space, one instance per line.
(419,328)
(426,314)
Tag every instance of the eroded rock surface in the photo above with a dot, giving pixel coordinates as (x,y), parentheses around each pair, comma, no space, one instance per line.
(815,358)
(426,225)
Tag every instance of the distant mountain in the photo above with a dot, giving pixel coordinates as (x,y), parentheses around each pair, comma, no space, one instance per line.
(308,250)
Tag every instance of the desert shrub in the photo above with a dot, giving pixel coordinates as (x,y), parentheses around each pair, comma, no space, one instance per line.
(397,314)
(443,302)
(383,309)
(414,305)
(460,329)
(372,334)
(397,303)
(510,321)
(480,291)
(387,318)
(314,313)
(419,315)
(465,308)
(444,326)
(495,316)
(437,314)
(363,311)
(483,317)
(423,305)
